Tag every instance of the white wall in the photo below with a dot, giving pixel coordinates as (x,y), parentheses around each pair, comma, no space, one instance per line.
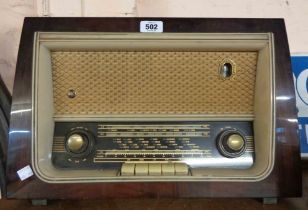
(12,13)
(295,13)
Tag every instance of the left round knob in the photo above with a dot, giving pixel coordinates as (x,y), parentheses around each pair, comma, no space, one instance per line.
(77,143)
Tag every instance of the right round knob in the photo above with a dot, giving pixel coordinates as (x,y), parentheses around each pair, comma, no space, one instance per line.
(231,143)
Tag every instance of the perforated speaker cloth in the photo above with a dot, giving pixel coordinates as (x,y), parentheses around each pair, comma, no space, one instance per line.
(139,83)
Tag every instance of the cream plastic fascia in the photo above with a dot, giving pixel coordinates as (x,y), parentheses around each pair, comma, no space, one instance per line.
(43,119)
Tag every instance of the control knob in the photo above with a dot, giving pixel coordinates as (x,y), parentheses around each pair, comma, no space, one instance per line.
(79,143)
(231,143)
(76,143)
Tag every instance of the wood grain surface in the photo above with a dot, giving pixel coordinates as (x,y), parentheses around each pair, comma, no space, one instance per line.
(284,181)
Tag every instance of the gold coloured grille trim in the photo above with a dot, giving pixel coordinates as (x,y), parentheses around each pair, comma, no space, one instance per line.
(129,82)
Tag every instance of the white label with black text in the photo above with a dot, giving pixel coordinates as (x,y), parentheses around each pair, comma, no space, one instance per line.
(25,173)
(151,26)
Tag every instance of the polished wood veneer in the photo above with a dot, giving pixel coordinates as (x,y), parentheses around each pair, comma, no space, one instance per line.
(284,181)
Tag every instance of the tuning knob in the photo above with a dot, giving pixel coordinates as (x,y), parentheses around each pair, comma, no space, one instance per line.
(79,143)
(231,143)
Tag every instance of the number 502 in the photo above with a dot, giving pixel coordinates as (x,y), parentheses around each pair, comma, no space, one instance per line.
(151,26)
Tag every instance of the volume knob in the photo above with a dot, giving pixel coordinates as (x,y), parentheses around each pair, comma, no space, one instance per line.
(235,142)
(79,143)
(76,143)
(231,143)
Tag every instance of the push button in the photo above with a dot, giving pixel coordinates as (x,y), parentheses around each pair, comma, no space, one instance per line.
(167,169)
(128,169)
(154,169)
(180,169)
(142,169)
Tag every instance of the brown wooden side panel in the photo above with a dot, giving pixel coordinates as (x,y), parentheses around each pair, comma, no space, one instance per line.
(284,181)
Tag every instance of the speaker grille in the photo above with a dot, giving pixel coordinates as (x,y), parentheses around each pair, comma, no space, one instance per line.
(121,82)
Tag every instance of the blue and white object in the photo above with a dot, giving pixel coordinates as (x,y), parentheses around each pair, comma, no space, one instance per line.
(300,73)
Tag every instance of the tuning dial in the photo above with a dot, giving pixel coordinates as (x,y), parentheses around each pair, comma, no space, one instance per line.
(231,143)
(79,143)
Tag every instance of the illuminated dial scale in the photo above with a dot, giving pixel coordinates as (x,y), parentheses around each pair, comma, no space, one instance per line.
(96,145)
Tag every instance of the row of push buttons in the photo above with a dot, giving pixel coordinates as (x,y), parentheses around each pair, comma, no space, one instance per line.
(154,169)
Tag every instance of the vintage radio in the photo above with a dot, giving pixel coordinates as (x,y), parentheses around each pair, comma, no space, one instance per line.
(204,109)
